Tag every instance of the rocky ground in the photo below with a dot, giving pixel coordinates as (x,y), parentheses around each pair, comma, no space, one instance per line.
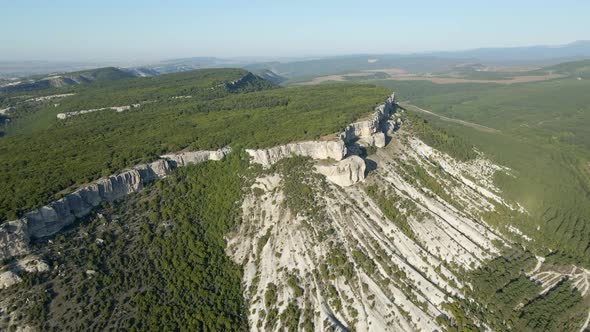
(354,265)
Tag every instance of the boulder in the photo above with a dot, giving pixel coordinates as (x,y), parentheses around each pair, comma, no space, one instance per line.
(8,278)
(14,238)
(31,264)
(379,140)
(345,172)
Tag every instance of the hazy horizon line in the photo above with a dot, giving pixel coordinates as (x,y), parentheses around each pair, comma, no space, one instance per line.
(309,56)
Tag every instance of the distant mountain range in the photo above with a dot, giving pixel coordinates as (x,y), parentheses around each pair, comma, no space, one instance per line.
(572,51)
(278,70)
(73,78)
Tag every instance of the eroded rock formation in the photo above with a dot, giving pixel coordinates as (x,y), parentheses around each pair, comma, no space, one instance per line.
(359,267)
(367,129)
(195,157)
(335,150)
(345,172)
(51,218)
(63,116)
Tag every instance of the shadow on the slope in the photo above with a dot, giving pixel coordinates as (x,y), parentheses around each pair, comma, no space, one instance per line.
(371,165)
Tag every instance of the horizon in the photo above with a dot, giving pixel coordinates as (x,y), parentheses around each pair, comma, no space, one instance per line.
(138,32)
(266,58)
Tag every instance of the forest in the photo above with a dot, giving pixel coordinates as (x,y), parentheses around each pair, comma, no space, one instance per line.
(155,261)
(43,157)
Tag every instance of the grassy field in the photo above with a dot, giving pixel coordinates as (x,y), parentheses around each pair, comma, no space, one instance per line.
(543,136)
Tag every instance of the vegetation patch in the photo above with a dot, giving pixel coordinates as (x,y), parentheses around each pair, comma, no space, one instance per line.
(42,157)
(155,261)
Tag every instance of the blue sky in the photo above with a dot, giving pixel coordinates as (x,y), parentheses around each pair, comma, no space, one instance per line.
(137,30)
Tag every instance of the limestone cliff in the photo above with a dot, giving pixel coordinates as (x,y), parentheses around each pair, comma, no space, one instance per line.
(348,171)
(118,109)
(195,157)
(345,172)
(51,218)
(367,128)
(362,267)
(335,150)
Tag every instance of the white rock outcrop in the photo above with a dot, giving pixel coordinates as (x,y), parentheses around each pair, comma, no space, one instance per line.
(14,238)
(7,110)
(345,172)
(8,278)
(196,157)
(367,128)
(335,150)
(379,140)
(51,218)
(63,116)
(30,264)
(46,98)
(424,253)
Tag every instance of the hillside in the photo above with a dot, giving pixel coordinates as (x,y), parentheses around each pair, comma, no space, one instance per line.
(574,68)
(402,249)
(221,110)
(59,80)
(540,133)
(215,200)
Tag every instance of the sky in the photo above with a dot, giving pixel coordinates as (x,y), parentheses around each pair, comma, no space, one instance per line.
(147,30)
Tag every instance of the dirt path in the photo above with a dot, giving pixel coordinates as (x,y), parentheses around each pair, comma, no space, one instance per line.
(444,118)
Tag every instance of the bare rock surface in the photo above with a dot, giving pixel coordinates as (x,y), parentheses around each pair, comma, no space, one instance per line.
(401,272)
(51,218)
(63,116)
(10,274)
(335,150)
(196,157)
(366,128)
(345,172)
(9,278)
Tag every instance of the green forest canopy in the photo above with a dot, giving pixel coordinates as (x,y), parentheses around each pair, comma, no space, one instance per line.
(42,156)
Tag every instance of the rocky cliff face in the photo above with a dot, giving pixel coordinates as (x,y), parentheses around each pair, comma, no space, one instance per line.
(366,129)
(335,150)
(119,109)
(51,218)
(345,172)
(360,268)
(195,157)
